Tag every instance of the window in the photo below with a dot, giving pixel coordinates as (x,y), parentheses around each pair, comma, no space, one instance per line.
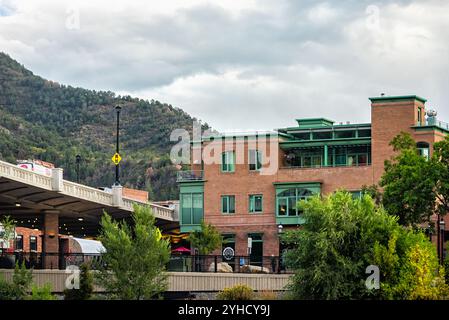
(419,116)
(350,156)
(364,133)
(344,134)
(228,161)
(322,135)
(255,203)
(302,135)
(19,242)
(33,243)
(356,194)
(423,149)
(255,160)
(191,208)
(287,200)
(228,204)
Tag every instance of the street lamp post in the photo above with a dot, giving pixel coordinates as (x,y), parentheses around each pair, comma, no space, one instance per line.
(117,149)
(78,161)
(442,227)
(280,231)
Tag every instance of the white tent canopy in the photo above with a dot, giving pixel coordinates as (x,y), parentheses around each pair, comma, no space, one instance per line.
(90,246)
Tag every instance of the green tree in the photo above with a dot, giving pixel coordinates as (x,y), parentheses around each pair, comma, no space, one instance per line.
(408,183)
(409,267)
(207,239)
(133,265)
(440,164)
(19,287)
(86,285)
(342,236)
(7,231)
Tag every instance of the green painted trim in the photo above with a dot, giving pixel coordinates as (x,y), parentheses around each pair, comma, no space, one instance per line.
(190,228)
(325,155)
(322,143)
(193,183)
(430,128)
(289,220)
(309,184)
(249,203)
(396,98)
(314,123)
(191,188)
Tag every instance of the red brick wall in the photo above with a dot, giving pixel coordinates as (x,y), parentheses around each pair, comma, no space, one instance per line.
(388,120)
(134,194)
(27,233)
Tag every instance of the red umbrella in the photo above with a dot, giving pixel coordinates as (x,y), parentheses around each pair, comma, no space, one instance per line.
(181,249)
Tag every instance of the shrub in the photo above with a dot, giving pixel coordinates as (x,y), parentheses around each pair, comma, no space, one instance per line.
(7,290)
(43,293)
(86,285)
(237,292)
(267,295)
(19,287)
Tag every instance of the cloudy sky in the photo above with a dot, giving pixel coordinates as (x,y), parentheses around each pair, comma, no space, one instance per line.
(239,65)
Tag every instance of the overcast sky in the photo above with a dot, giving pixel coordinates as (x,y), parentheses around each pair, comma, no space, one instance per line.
(239,65)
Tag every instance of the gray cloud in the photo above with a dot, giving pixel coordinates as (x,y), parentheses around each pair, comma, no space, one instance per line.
(255,64)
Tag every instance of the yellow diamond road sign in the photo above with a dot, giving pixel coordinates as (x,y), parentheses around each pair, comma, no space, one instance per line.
(116,158)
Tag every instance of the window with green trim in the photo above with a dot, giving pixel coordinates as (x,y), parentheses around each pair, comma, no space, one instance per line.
(191,208)
(255,203)
(344,134)
(287,200)
(255,160)
(228,204)
(423,149)
(228,161)
(356,194)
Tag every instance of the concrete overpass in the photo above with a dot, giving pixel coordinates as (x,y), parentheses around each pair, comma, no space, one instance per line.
(57,206)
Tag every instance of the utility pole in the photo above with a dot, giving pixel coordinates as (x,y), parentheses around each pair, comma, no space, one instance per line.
(117,149)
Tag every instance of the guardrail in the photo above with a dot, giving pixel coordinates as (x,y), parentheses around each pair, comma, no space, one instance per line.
(190,175)
(16,173)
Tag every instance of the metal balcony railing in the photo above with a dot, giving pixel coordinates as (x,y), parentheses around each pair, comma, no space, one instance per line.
(191,175)
(438,123)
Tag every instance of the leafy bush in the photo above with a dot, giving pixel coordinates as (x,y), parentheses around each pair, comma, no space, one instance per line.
(41,293)
(7,290)
(237,292)
(19,287)
(342,236)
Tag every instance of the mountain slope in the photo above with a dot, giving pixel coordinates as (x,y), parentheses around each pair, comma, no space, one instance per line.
(45,120)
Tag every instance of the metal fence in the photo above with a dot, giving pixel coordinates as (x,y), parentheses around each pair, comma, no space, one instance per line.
(177,263)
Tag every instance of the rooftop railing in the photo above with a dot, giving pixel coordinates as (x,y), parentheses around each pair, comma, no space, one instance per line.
(190,175)
(437,123)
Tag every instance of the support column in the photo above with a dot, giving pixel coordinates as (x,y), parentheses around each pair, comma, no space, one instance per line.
(50,241)
(325,156)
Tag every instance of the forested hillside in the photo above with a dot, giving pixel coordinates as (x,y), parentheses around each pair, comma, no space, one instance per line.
(42,119)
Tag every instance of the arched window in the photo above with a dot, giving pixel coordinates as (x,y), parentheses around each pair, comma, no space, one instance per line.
(423,149)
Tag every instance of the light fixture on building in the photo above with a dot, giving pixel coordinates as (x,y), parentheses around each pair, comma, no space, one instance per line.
(80,219)
(17,204)
(280,228)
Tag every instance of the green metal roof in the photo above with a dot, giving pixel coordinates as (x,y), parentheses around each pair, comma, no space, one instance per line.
(397,98)
(314,123)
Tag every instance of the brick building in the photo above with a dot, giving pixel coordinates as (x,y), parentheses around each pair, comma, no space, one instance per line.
(247,185)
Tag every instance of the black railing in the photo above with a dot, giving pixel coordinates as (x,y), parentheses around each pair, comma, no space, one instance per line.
(235,264)
(177,263)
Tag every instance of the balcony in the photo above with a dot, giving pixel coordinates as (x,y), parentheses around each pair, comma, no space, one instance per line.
(433,122)
(190,175)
